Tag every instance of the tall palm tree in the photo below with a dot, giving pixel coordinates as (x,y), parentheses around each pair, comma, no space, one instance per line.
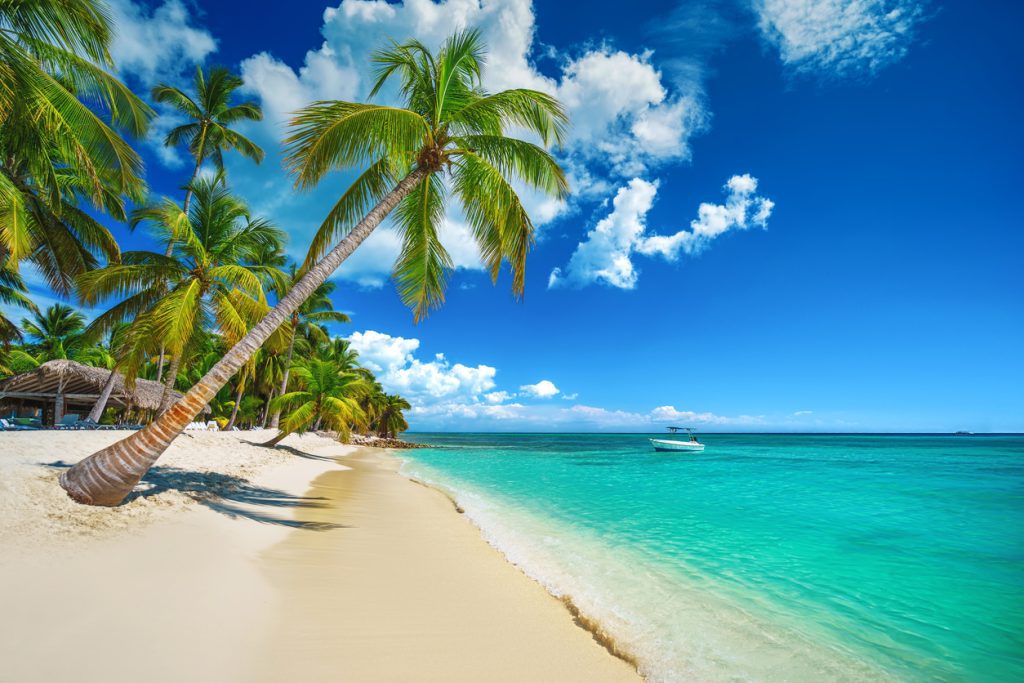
(55,333)
(327,397)
(211,271)
(208,133)
(308,320)
(56,151)
(451,132)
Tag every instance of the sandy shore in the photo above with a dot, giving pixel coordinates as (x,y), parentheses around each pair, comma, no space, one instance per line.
(230,566)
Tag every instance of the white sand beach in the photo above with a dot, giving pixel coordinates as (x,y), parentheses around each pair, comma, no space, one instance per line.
(235,562)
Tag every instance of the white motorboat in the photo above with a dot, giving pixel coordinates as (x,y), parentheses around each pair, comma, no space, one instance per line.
(671,445)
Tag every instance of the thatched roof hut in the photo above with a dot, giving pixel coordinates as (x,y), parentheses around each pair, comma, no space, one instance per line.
(80,386)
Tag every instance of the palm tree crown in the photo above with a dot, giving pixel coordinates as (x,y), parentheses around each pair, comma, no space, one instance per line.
(208,133)
(55,149)
(453,133)
(327,396)
(55,333)
(213,273)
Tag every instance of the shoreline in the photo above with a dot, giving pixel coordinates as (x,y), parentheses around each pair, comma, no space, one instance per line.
(463,612)
(592,626)
(243,563)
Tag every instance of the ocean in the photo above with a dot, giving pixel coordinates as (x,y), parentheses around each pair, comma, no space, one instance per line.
(766,557)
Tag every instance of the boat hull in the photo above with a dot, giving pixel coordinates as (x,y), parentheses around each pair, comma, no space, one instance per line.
(676,446)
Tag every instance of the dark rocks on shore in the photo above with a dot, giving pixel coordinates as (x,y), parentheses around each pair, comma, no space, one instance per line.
(375,441)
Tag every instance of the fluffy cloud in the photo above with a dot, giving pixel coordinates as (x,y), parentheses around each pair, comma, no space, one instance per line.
(742,209)
(626,119)
(606,253)
(446,395)
(157,43)
(670,414)
(394,362)
(839,36)
(542,389)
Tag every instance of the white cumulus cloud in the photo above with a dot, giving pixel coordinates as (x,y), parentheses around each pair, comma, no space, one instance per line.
(670,414)
(542,389)
(394,361)
(742,209)
(606,254)
(839,36)
(157,42)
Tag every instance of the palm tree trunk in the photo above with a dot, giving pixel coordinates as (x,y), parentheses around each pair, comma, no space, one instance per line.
(160,366)
(172,376)
(234,411)
(107,476)
(266,409)
(276,419)
(101,403)
(276,440)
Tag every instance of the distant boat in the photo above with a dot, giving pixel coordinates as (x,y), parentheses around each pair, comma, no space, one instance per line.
(690,446)
(963,433)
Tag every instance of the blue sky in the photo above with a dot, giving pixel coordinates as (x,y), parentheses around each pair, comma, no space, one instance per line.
(787,214)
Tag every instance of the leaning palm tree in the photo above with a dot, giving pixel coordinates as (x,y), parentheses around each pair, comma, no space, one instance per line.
(448,141)
(208,133)
(308,320)
(211,271)
(57,152)
(327,397)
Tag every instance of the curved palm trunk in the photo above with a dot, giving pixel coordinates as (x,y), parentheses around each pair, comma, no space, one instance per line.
(276,440)
(234,411)
(107,476)
(172,375)
(276,419)
(101,403)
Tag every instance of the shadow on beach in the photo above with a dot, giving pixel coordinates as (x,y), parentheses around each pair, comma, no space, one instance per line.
(229,495)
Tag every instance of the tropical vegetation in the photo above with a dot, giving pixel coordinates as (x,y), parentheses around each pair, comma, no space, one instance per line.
(218,312)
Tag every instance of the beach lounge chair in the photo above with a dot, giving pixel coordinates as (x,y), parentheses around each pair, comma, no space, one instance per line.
(69,421)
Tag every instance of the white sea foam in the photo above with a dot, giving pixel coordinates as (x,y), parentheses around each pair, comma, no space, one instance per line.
(677,623)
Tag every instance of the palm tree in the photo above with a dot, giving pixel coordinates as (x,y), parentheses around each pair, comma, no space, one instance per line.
(12,292)
(56,152)
(208,133)
(211,271)
(55,334)
(308,319)
(449,132)
(327,397)
(390,420)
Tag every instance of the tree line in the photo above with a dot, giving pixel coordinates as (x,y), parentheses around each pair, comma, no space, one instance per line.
(209,311)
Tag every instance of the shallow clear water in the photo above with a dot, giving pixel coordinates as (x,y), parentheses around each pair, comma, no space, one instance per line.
(767,557)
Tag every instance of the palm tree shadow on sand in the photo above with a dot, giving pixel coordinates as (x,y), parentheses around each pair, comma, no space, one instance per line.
(229,495)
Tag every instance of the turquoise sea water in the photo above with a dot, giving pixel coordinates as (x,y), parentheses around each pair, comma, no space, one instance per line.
(767,557)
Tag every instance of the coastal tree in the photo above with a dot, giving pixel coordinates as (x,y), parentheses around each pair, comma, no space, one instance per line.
(308,320)
(327,397)
(210,113)
(211,271)
(55,333)
(448,141)
(58,153)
